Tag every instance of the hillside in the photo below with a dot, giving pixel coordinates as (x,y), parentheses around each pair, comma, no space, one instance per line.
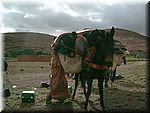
(132,40)
(22,40)
(37,41)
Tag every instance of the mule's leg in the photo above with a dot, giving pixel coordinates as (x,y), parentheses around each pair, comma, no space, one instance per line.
(83,80)
(114,74)
(76,84)
(124,60)
(100,84)
(106,79)
(89,84)
(84,88)
(48,99)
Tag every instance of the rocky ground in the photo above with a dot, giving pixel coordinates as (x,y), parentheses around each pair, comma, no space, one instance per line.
(126,94)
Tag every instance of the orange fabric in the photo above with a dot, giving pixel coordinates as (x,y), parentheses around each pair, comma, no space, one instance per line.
(59,85)
(98,67)
(90,53)
(79,36)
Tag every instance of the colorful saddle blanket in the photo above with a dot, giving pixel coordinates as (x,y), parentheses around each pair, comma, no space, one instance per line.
(70,47)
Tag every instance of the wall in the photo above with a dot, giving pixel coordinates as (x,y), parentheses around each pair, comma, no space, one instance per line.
(34,58)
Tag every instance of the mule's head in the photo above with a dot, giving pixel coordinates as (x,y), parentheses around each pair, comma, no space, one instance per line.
(94,36)
(109,47)
(95,40)
(104,43)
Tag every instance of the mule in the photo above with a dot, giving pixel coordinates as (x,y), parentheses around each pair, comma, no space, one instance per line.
(97,65)
(95,68)
(101,44)
(110,75)
(118,57)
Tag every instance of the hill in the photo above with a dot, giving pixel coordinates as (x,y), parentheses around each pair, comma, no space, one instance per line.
(24,40)
(132,40)
(37,41)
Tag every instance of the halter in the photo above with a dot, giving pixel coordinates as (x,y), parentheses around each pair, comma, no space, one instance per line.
(98,67)
(88,58)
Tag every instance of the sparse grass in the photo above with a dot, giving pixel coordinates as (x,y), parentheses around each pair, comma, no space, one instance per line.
(132,59)
(126,94)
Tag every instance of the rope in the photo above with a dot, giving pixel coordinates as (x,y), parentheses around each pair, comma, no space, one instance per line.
(66,46)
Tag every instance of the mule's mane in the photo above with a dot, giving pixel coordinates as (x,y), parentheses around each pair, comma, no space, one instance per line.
(95,37)
(104,44)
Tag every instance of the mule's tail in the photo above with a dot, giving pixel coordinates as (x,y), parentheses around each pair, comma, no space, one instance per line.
(83,79)
(113,75)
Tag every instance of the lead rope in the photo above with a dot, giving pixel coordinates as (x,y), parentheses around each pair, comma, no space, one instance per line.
(111,78)
(88,69)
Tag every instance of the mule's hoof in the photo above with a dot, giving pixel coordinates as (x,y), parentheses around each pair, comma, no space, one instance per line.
(61,101)
(106,86)
(48,99)
(48,102)
(85,107)
(103,108)
(72,99)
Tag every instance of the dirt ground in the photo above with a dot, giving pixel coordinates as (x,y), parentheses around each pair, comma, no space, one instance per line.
(126,94)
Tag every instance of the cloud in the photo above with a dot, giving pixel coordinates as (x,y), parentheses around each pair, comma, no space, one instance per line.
(131,17)
(63,15)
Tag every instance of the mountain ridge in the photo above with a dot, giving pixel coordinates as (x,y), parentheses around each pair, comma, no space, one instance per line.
(40,41)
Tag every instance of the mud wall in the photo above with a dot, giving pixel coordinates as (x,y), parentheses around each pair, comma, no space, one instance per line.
(34,58)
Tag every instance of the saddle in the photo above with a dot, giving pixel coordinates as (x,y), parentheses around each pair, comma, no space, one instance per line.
(69,47)
(65,44)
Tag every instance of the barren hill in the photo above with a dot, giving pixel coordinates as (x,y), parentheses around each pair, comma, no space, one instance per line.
(132,40)
(38,41)
(23,40)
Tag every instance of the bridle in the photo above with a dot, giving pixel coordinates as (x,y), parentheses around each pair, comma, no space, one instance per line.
(96,66)
(88,58)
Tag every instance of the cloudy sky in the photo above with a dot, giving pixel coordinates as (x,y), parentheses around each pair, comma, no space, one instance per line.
(57,16)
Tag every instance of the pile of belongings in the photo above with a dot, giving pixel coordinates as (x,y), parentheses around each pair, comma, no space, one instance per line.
(65,43)
(119,47)
(69,47)
(119,53)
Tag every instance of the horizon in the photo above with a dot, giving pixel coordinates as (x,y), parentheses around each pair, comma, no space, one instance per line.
(52,18)
(70,31)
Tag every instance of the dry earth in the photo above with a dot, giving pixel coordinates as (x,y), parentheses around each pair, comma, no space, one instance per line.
(127,94)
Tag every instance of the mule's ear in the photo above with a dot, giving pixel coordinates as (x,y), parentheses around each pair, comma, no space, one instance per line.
(112,31)
(74,34)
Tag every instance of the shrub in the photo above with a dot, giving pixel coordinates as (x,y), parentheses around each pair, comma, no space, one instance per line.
(28,51)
